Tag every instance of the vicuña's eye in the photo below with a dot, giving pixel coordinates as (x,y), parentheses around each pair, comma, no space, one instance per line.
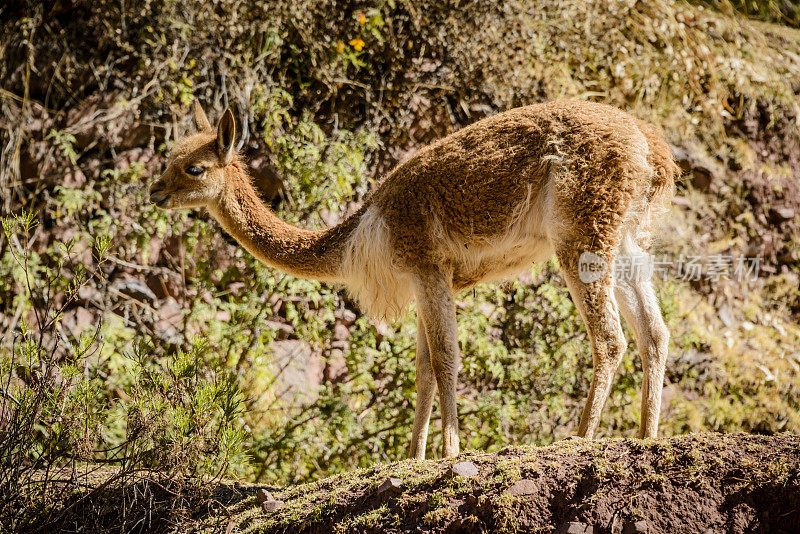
(195,171)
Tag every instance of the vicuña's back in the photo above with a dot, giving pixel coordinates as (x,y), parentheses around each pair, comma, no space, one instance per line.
(577,179)
(490,199)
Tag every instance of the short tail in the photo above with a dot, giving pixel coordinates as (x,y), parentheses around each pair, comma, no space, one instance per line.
(662,189)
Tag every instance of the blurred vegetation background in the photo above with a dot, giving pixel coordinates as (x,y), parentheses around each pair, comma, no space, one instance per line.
(134,337)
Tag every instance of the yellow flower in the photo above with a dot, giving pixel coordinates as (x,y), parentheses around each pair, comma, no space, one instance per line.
(340,47)
(358,44)
(362,18)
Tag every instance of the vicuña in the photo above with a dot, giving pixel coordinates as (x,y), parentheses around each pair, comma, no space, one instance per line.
(578,179)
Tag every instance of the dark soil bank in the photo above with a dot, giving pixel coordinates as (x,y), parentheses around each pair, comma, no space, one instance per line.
(696,483)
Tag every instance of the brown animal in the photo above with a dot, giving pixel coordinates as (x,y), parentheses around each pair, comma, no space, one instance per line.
(578,179)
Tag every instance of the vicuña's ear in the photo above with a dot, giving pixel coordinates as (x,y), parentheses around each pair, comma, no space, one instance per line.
(226,131)
(200,119)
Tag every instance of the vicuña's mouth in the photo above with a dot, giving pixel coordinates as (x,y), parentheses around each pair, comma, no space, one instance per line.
(159,197)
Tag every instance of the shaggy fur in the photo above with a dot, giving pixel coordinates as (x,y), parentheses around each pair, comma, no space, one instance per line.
(484,203)
(373,272)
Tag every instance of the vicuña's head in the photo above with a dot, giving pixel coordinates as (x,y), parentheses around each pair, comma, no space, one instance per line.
(198,165)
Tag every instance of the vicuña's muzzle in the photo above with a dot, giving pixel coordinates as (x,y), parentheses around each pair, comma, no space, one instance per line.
(158,194)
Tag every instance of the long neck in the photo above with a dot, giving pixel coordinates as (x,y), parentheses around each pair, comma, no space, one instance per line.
(306,253)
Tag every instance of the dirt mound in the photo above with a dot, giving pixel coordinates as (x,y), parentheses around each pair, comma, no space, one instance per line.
(695,483)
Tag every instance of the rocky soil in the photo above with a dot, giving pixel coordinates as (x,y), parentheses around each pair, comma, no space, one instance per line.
(704,483)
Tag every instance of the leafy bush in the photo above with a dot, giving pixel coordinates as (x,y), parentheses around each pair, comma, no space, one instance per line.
(174,423)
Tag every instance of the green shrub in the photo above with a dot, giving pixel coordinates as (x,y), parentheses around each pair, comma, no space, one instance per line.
(173,422)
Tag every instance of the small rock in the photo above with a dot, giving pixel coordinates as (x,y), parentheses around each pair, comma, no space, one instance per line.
(390,486)
(335,366)
(635,527)
(525,486)
(268,503)
(464,469)
(339,345)
(170,321)
(574,527)
(486,308)
(73,178)
(263,496)
(271,506)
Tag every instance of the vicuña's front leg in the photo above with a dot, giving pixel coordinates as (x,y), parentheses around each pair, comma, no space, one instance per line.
(426,387)
(435,301)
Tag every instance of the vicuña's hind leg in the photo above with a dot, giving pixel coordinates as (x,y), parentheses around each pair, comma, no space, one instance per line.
(435,301)
(639,305)
(426,387)
(595,301)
